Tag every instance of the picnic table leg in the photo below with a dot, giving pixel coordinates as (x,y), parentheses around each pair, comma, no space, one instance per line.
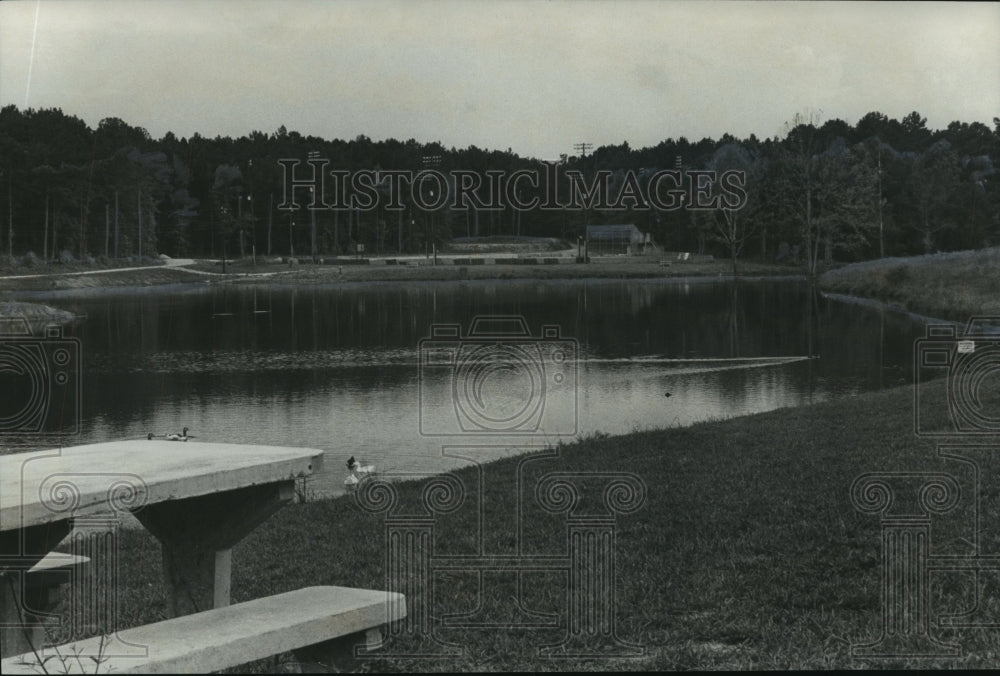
(21,602)
(198,534)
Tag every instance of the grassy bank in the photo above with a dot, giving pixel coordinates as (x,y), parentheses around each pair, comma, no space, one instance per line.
(950,286)
(747,553)
(424,270)
(111,278)
(59,278)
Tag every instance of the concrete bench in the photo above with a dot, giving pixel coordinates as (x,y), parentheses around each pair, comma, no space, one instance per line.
(41,593)
(320,624)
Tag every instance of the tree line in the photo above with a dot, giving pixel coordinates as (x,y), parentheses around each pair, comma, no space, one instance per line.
(824,191)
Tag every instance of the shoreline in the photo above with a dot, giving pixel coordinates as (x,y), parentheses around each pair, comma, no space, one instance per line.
(954,286)
(889,305)
(767,557)
(176,277)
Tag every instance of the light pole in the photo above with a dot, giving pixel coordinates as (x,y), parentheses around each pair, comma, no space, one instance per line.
(432,162)
(582,148)
(253,221)
(239,219)
(313,155)
(253,233)
(10,214)
(881,237)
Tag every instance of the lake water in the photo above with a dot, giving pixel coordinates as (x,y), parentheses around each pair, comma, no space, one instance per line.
(360,369)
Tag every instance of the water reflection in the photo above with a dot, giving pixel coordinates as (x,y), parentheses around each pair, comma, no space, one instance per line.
(337,367)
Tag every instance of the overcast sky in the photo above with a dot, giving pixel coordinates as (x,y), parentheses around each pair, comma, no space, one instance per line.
(534,76)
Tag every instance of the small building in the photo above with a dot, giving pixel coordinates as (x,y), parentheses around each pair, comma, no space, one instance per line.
(621,239)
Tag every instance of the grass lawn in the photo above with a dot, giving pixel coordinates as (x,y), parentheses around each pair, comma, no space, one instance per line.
(747,553)
(950,286)
(59,278)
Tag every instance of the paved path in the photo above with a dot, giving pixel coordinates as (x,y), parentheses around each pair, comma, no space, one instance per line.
(185,262)
(167,262)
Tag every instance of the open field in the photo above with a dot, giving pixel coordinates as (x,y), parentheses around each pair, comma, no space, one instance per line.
(747,553)
(951,285)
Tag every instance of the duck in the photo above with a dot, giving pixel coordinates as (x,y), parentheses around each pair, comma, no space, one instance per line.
(183,436)
(173,436)
(355,469)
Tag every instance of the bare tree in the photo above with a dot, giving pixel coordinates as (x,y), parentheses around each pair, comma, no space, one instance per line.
(734,222)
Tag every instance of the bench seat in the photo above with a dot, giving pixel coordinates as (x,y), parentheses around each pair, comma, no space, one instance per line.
(233,635)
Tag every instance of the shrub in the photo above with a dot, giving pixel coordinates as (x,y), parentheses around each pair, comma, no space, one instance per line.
(897,275)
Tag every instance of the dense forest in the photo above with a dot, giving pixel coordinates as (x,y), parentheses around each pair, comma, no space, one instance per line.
(826,191)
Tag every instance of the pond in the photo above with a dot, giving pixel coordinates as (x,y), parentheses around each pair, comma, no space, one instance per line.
(417,378)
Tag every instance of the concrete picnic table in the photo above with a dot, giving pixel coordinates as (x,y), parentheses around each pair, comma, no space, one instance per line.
(197,499)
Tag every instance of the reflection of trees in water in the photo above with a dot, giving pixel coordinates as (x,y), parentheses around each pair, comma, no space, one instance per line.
(608,318)
(735,319)
(812,329)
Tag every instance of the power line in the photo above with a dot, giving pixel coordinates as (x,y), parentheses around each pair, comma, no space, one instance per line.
(582,148)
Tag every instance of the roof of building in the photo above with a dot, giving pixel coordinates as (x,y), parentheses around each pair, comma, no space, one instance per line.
(614,232)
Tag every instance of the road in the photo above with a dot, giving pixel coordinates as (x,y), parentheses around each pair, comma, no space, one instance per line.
(167,262)
(185,262)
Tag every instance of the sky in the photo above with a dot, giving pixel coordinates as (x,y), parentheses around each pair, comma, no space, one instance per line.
(535,76)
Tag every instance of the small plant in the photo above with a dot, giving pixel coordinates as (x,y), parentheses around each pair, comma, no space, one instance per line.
(39,663)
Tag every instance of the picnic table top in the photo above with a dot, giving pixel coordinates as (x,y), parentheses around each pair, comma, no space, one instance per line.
(47,486)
